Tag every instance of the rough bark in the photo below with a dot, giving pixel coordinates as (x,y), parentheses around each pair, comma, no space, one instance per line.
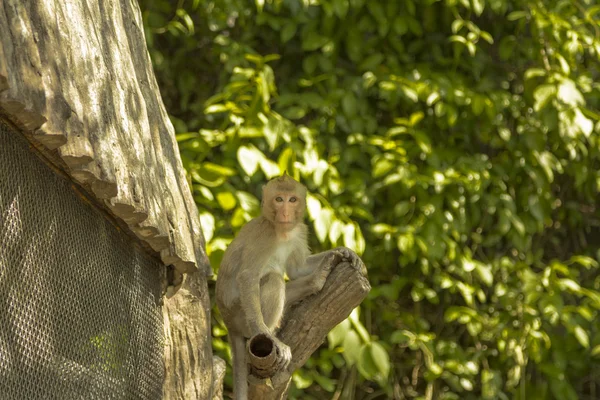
(77,77)
(219,371)
(188,354)
(306,325)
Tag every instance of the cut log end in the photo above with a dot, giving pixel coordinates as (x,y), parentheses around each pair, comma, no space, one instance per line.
(262,356)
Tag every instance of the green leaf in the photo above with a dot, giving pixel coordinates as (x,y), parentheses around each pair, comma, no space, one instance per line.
(218,169)
(534,73)
(569,94)
(516,15)
(371,62)
(366,365)
(288,32)
(226,200)
(352,348)
(337,335)
(477,6)
(349,235)
(400,337)
(207,222)
(457,25)
(270,168)
(484,272)
(562,389)
(335,231)
(313,41)
(216,108)
(586,126)
(349,104)
(406,242)
(582,336)
(314,207)
(248,202)
(585,261)
(543,95)
(301,379)
(569,284)
(340,7)
(325,383)
(517,224)
(381,359)
(323,223)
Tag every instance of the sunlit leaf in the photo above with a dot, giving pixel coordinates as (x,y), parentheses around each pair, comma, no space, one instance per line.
(581,336)
(543,94)
(381,359)
(352,346)
(337,335)
(207,221)
(249,158)
(301,379)
(226,200)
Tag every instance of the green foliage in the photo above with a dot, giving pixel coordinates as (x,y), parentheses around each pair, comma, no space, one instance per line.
(454,144)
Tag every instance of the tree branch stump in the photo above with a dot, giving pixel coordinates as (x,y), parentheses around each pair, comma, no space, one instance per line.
(262,356)
(304,329)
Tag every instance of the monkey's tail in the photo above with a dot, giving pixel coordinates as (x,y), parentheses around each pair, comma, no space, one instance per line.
(240,367)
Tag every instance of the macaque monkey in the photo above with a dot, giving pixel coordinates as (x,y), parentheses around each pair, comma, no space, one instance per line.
(251,292)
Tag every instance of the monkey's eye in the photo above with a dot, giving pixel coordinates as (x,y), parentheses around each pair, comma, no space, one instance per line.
(279,199)
(292,199)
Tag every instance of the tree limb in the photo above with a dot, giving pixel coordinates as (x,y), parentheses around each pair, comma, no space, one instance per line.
(307,323)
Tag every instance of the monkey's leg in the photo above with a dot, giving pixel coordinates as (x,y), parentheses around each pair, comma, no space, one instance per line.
(272,303)
(300,288)
(272,299)
(240,367)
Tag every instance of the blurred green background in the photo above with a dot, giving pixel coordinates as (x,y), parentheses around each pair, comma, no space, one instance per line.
(453,144)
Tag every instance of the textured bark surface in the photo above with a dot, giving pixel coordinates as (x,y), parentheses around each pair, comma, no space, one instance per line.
(77,77)
(219,371)
(307,324)
(188,352)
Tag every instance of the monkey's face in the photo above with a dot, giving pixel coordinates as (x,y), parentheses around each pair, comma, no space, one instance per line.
(284,202)
(287,208)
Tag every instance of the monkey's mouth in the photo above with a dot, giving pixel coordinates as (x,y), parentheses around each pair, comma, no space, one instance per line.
(285,220)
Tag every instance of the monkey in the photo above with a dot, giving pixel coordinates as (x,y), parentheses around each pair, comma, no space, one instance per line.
(251,292)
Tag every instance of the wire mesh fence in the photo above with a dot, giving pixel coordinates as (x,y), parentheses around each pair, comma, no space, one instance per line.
(79,313)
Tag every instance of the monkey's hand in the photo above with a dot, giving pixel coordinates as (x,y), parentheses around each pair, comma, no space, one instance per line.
(347,255)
